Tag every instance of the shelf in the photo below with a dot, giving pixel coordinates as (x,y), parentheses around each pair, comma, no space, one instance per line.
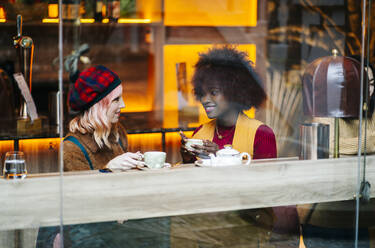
(134,123)
(84,21)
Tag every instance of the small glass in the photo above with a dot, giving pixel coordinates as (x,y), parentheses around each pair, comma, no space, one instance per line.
(14,165)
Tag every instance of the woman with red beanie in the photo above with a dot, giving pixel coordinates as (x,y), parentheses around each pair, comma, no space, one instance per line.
(96,139)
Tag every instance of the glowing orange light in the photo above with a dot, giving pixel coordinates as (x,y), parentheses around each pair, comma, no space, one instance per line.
(45,142)
(50,20)
(210,13)
(126,20)
(6,145)
(53,10)
(105,20)
(144,142)
(2,13)
(104,10)
(31,144)
(149,9)
(88,20)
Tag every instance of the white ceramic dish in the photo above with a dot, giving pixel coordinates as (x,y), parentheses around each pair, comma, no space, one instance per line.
(207,163)
(166,165)
(203,163)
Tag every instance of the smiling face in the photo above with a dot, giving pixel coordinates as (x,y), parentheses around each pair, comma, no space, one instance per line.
(115,105)
(215,103)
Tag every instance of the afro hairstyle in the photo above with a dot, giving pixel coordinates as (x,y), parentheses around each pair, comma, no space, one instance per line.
(232,72)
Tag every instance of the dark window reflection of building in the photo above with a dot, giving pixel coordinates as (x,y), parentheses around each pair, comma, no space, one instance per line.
(7,121)
(298,33)
(186,113)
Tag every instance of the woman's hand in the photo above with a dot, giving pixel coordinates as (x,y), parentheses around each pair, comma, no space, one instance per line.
(126,161)
(183,138)
(207,148)
(210,147)
(187,155)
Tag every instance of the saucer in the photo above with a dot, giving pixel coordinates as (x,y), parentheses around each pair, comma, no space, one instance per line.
(166,165)
(203,163)
(207,163)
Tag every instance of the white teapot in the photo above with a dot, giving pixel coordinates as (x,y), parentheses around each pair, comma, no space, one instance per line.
(229,156)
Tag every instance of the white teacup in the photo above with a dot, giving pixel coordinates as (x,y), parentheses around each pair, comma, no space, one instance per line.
(191,142)
(154,159)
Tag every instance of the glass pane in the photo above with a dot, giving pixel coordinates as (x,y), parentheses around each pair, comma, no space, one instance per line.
(29,140)
(364,202)
(284,91)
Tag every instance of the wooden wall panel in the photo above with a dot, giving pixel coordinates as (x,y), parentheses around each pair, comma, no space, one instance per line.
(41,154)
(144,142)
(5,146)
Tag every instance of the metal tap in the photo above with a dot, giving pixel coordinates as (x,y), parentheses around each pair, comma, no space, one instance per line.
(25,53)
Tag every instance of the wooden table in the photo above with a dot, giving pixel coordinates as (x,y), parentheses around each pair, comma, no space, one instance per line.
(94,197)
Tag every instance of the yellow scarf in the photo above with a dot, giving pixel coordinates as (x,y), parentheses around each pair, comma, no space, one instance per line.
(244,134)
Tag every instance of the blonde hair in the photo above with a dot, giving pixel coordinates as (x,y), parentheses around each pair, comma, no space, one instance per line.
(95,121)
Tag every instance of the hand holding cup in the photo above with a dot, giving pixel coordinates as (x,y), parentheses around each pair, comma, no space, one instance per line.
(189,145)
(126,161)
(193,144)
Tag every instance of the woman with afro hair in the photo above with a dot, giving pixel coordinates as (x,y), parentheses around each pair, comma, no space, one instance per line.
(226,84)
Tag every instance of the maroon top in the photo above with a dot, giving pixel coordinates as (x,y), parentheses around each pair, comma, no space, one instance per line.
(264,147)
(264,140)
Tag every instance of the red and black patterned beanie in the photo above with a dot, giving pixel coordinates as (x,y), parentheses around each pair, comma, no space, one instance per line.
(92,85)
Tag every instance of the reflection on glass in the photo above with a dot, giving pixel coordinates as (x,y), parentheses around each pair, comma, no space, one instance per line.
(314,141)
(283,36)
(182,84)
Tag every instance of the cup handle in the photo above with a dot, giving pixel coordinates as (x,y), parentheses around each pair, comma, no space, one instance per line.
(248,157)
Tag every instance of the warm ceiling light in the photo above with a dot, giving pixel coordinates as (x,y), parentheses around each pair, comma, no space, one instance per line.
(50,20)
(87,20)
(125,20)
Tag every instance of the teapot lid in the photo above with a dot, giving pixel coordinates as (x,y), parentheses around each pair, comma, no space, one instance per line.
(227,150)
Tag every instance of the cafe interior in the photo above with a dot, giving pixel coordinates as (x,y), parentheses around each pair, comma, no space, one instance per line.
(314,60)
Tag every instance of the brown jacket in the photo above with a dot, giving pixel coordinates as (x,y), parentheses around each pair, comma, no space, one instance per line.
(75,160)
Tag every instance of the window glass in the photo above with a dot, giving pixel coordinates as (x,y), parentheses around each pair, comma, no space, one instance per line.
(29,137)
(363,199)
(187,123)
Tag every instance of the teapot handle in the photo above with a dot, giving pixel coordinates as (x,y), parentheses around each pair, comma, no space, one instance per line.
(212,159)
(248,157)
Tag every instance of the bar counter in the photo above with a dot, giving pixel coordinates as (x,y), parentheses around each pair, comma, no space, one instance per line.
(91,196)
